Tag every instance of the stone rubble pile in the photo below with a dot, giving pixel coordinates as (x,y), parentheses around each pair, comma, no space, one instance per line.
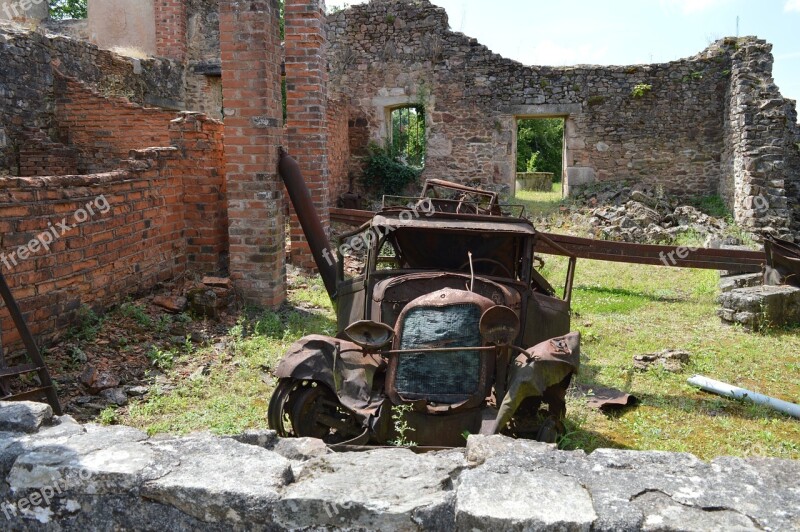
(59,475)
(640,214)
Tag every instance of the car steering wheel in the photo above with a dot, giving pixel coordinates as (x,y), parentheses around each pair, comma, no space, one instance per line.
(491,261)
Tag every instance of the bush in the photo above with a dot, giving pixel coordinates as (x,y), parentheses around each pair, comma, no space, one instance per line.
(385,175)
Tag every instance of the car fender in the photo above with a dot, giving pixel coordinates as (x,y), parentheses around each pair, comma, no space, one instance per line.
(542,366)
(341,365)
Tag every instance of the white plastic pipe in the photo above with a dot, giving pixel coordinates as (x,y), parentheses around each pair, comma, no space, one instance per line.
(721,388)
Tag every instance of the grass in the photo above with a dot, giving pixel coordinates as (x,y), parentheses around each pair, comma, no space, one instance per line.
(620,309)
(234,395)
(540,204)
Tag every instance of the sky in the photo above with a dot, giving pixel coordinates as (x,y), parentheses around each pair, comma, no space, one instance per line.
(624,32)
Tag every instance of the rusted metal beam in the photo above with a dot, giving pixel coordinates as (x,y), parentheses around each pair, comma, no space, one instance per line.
(675,256)
(350,216)
(588,248)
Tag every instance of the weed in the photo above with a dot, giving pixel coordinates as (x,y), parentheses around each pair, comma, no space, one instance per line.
(390,19)
(135,312)
(692,76)
(401,427)
(163,322)
(108,416)
(640,90)
(87,325)
(161,358)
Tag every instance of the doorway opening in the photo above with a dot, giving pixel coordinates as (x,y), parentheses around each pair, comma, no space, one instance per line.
(540,162)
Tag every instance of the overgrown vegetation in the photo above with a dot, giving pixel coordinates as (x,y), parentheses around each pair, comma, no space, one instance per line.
(68,9)
(640,90)
(540,146)
(385,173)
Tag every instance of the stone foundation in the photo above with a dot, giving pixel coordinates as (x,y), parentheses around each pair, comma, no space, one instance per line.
(59,475)
(759,307)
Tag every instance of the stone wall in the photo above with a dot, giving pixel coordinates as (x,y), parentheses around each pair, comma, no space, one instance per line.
(390,53)
(27,96)
(59,475)
(113,234)
(757,156)
(203,71)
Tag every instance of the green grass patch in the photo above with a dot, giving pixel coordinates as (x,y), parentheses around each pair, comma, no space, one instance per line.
(540,204)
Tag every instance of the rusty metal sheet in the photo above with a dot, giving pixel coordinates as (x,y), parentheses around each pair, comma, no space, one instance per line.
(783,262)
(603,398)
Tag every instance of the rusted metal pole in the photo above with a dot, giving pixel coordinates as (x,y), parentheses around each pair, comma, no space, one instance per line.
(324,256)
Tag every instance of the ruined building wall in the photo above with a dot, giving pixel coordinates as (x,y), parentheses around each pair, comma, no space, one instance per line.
(27,97)
(161,213)
(105,130)
(203,72)
(338,148)
(758,148)
(390,53)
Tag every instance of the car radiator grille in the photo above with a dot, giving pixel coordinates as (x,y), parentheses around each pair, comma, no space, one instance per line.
(440,377)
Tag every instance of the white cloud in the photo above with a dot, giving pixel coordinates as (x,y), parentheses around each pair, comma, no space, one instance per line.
(689,7)
(792,5)
(550,53)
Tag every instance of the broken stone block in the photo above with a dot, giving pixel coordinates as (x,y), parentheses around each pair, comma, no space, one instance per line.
(761,307)
(23,416)
(218,282)
(300,448)
(732,282)
(670,359)
(95,380)
(116,396)
(173,304)
(208,301)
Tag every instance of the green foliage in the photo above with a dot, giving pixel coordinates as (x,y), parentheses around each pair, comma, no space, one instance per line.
(540,141)
(109,416)
(408,135)
(87,325)
(641,89)
(161,358)
(401,427)
(533,161)
(385,174)
(136,313)
(692,76)
(712,206)
(68,9)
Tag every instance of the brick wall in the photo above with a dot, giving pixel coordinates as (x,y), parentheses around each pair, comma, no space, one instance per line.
(205,207)
(170,18)
(160,214)
(338,148)
(306,131)
(250,53)
(105,129)
(27,101)
(41,156)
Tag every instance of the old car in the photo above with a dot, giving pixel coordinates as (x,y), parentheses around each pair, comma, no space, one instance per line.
(447,329)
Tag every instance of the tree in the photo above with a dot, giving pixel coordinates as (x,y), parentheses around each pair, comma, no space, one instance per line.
(541,141)
(68,9)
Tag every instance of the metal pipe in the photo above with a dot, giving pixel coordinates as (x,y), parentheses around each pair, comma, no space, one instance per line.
(727,390)
(324,256)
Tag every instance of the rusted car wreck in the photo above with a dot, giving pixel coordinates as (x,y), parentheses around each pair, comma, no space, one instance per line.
(448,330)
